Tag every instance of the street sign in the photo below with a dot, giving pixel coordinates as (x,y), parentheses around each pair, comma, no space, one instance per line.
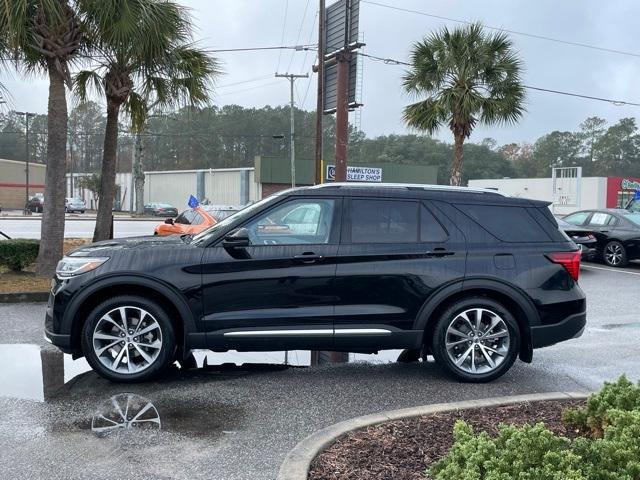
(357,174)
(341,20)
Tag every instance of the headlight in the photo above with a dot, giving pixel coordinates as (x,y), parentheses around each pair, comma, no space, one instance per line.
(72,266)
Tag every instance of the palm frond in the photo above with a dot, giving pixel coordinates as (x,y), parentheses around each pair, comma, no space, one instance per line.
(87,82)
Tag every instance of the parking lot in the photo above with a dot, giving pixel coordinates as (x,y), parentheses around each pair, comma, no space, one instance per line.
(238,421)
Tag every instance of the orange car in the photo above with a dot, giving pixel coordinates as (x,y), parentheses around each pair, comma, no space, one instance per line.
(194,220)
(191,221)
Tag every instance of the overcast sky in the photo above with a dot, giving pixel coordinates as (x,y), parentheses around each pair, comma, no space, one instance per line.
(389,33)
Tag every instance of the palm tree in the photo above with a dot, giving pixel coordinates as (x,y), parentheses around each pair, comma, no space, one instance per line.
(45,36)
(467,76)
(143,54)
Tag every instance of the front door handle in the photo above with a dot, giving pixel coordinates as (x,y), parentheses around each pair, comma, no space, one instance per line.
(439,252)
(307,257)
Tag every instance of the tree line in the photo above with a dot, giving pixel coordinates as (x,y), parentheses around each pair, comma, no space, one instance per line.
(232,136)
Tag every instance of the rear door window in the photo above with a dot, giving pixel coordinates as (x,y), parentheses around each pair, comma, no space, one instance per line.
(506,223)
(577,218)
(430,228)
(384,221)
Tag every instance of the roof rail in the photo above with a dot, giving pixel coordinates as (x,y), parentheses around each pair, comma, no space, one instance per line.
(409,186)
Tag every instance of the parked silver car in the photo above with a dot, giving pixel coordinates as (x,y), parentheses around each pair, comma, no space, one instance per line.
(74,205)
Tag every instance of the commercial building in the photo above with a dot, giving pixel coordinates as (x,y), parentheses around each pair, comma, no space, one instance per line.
(13,182)
(240,186)
(568,195)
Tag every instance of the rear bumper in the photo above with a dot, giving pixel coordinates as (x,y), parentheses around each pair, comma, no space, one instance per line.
(571,327)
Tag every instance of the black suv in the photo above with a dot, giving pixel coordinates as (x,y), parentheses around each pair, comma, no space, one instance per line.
(471,277)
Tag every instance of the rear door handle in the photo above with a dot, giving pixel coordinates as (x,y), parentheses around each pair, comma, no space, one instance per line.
(439,252)
(308,257)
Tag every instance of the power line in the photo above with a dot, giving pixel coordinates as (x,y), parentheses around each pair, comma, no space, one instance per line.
(514,32)
(617,103)
(304,17)
(304,61)
(254,49)
(250,80)
(284,25)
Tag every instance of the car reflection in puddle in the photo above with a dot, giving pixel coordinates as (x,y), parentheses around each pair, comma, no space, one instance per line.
(125,411)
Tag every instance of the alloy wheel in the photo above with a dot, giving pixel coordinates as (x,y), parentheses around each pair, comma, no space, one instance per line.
(613,254)
(127,340)
(477,341)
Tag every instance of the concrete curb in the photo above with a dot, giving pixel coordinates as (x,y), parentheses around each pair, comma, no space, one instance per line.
(296,463)
(24,297)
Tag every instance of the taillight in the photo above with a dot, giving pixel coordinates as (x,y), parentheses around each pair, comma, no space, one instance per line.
(569,260)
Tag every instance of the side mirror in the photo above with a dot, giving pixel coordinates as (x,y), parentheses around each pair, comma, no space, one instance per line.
(238,238)
(169,221)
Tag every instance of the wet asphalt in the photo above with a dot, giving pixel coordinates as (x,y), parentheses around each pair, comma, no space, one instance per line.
(238,422)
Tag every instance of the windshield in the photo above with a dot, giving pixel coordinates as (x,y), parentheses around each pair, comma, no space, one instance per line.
(243,214)
(633,217)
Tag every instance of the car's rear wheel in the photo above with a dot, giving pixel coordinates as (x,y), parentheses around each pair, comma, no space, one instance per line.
(615,255)
(128,339)
(476,340)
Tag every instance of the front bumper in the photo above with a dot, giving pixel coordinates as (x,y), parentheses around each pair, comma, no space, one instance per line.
(60,340)
(571,327)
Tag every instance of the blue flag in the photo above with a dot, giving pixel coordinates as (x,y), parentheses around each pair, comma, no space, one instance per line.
(193,201)
(637,196)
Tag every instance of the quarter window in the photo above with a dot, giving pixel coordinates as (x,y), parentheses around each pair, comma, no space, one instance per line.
(295,222)
(509,224)
(600,219)
(384,221)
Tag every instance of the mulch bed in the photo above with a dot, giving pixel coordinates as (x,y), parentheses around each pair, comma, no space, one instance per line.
(403,449)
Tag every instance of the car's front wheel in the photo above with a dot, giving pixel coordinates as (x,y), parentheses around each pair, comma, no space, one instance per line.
(615,255)
(476,340)
(128,339)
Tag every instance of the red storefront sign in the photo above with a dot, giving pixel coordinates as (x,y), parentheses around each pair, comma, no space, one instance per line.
(620,190)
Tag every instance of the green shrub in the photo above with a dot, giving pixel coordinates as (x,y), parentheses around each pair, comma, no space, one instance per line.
(523,453)
(621,395)
(18,254)
(611,451)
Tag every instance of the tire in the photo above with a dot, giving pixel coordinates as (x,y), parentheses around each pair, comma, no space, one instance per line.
(133,365)
(502,349)
(615,255)
(82,211)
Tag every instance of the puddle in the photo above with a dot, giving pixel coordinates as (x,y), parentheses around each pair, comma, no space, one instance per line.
(32,373)
(615,326)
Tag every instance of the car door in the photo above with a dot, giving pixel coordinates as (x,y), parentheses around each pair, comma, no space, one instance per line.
(278,292)
(394,253)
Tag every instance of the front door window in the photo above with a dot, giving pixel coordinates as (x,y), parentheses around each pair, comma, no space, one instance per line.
(294,223)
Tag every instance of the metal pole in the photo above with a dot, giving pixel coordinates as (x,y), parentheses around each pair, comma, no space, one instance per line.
(292,139)
(292,78)
(342,115)
(71,194)
(320,99)
(26,147)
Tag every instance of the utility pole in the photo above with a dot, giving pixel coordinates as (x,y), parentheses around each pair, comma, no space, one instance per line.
(320,99)
(27,115)
(292,78)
